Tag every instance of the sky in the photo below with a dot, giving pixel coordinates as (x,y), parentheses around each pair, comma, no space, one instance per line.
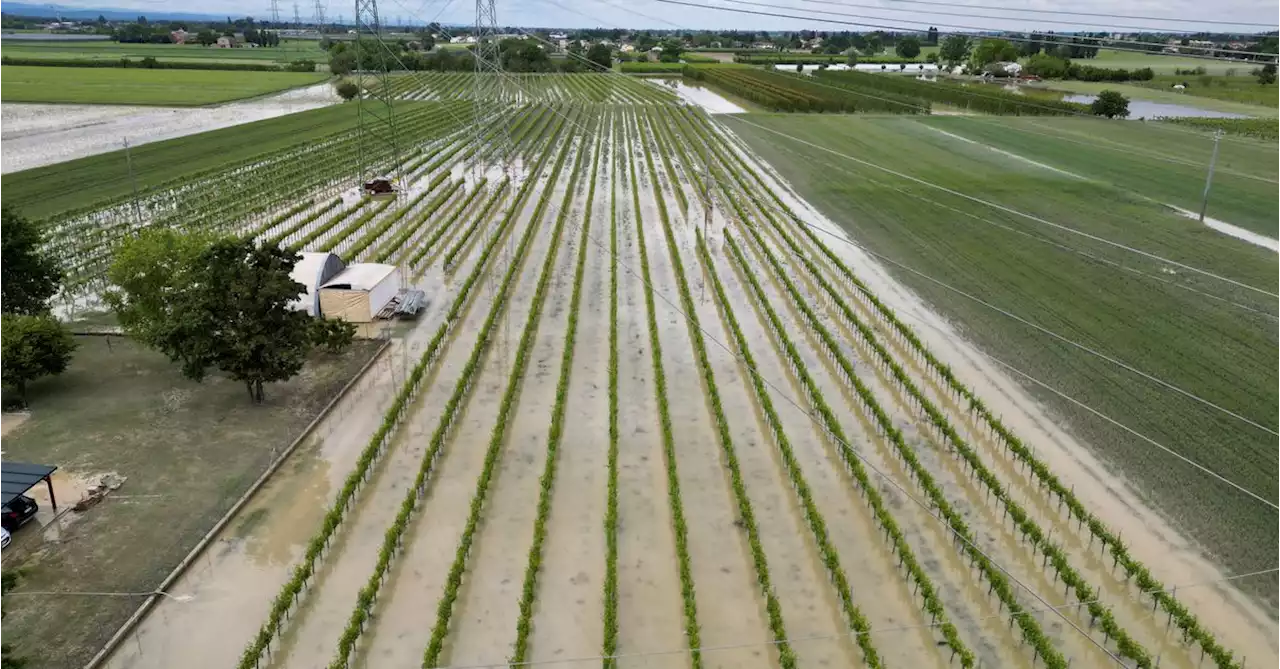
(872,14)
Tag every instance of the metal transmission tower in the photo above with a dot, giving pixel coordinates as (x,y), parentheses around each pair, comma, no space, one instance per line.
(490,95)
(320,15)
(275,14)
(378,146)
(297,18)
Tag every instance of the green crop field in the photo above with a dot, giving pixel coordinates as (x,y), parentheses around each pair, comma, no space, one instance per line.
(1163,63)
(177,88)
(1237,88)
(289,50)
(1165,96)
(1205,343)
(645,383)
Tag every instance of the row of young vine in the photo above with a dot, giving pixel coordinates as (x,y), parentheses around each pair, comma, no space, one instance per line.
(493,453)
(786,656)
(524,624)
(680,527)
(609,644)
(370,455)
(1188,624)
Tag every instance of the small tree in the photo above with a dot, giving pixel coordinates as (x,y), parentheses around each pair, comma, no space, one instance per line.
(33,346)
(331,334)
(207,38)
(799,67)
(1266,74)
(907,47)
(600,55)
(28,278)
(671,49)
(1110,104)
(347,89)
(852,59)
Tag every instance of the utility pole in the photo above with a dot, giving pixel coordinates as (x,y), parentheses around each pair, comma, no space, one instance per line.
(1208,180)
(128,159)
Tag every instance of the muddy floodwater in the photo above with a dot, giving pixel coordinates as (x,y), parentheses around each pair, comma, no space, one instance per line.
(718,473)
(39,134)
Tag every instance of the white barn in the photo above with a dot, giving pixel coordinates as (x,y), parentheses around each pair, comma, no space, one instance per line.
(312,271)
(359,292)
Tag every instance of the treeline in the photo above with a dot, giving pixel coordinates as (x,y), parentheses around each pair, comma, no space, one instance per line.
(987,100)
(819,59)
(517,56)
(149,63)
(1050,67)
(787,92)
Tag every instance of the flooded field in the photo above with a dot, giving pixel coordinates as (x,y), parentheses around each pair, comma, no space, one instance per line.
(43,134)
(675,430)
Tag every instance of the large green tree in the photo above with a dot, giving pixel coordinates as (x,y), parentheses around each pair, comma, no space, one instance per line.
(28,277)
(994,51)
(954,50)
(213,305)
(32,347)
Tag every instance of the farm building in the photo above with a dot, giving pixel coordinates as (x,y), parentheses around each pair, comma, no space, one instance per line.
(312,271)
(359,292)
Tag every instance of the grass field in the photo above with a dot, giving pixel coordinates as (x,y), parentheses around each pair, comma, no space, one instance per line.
(188,451)
(1223,352)
(1238,88)
(289,50)
(174,88)
(1163,63)
(69,185)
(1138,92)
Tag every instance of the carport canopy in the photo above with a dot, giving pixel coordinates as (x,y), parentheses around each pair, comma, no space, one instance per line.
(16,478)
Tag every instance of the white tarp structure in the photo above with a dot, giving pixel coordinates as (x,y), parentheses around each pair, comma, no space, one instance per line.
(359,292)
(312,271)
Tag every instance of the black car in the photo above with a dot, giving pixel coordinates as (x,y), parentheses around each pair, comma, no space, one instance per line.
(18,511)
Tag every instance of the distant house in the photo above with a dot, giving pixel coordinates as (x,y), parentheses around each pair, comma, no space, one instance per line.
(627,48)
(178,36)
(558,36)
(225,42)
(463,39)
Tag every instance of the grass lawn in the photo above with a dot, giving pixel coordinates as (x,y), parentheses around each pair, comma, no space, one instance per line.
(1166,96)
(46,190)
(109,85)
(1163,63)
(188,451)
(1221,352)
(1245,89)
(289,50)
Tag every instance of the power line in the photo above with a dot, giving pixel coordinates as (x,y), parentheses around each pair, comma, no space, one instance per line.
(1069,13)
(980,31)
(1023,19)
(1036,326)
